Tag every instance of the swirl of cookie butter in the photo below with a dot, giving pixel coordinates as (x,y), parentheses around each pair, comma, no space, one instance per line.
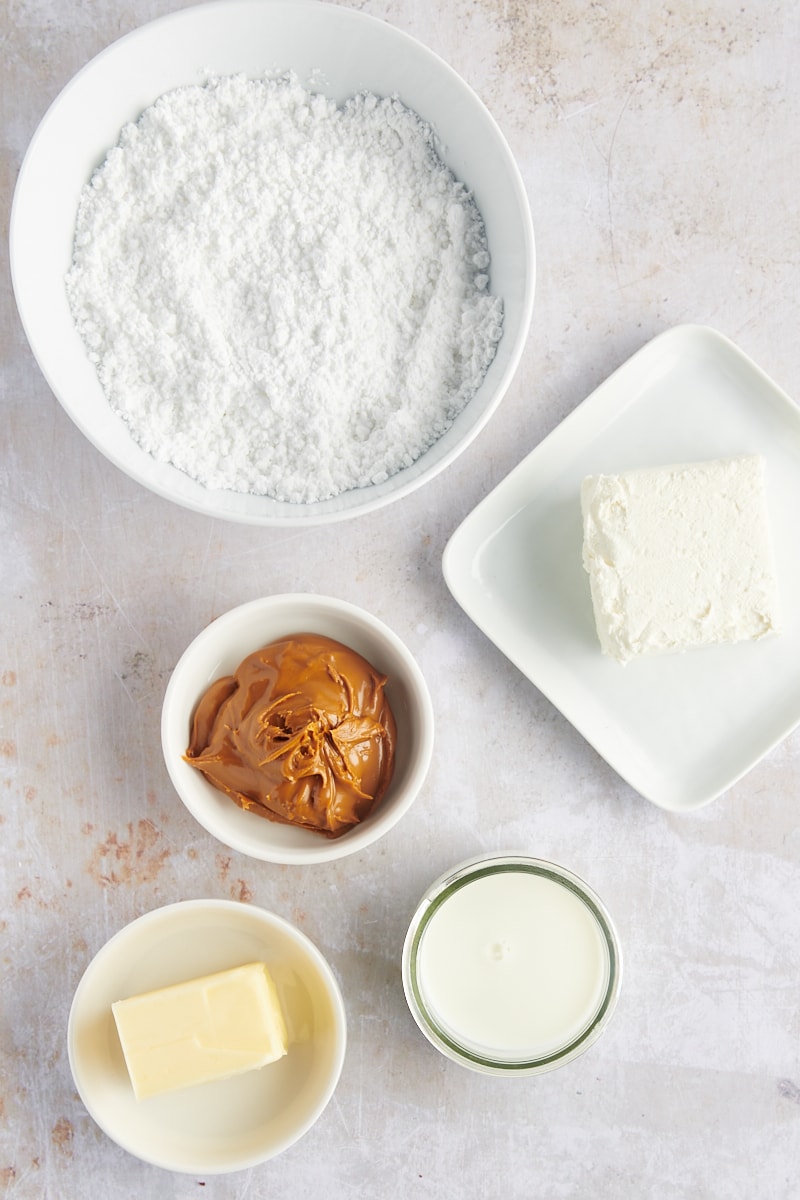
(301,733)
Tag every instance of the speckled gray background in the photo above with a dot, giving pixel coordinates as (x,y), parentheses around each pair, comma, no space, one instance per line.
(660,146)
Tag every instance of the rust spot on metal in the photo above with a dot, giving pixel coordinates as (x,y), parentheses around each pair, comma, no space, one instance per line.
(62,1135)
(240,891)
(137,856)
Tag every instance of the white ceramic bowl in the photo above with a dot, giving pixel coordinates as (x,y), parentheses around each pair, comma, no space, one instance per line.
(220,648)
(343,51)
(230,1124)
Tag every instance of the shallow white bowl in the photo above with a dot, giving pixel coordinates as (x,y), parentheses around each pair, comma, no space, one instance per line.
(342,51)
(233,1123)
(220,648)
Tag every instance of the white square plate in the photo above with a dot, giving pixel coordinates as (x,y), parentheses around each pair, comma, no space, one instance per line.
(681,728)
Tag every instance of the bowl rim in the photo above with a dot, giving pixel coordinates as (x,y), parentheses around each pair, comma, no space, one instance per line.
(156,477)
(319,849)
(163,915)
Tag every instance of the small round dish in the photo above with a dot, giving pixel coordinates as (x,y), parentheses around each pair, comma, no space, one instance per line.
(218,650)
(233,1123)
(340,51)
(511,965)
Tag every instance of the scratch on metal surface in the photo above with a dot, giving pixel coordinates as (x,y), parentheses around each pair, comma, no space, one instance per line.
(789,1090)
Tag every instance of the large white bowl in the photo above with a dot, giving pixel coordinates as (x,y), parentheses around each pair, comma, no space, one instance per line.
(342,51)
(233,1123)
(219,649)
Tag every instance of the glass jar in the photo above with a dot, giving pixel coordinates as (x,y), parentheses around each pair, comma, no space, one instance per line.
(511,965)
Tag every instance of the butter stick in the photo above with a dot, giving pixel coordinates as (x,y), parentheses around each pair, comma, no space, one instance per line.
(205,1029)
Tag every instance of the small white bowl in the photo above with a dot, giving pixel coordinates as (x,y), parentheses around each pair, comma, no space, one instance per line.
(230,1124)
(218,651)
(342,52)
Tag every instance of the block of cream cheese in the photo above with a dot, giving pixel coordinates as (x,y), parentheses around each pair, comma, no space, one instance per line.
(679,556)
(204,1029)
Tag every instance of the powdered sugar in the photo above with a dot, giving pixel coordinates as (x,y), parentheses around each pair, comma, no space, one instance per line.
(282,296)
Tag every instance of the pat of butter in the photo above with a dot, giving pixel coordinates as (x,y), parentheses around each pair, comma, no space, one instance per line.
(679,556)
(204,1029)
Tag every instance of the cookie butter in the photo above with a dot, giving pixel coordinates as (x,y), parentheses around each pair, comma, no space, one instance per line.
(301,733)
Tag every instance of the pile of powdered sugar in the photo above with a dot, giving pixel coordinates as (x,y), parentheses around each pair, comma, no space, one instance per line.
(282,296)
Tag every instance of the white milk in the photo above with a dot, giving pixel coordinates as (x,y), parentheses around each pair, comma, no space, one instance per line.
(513,964)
